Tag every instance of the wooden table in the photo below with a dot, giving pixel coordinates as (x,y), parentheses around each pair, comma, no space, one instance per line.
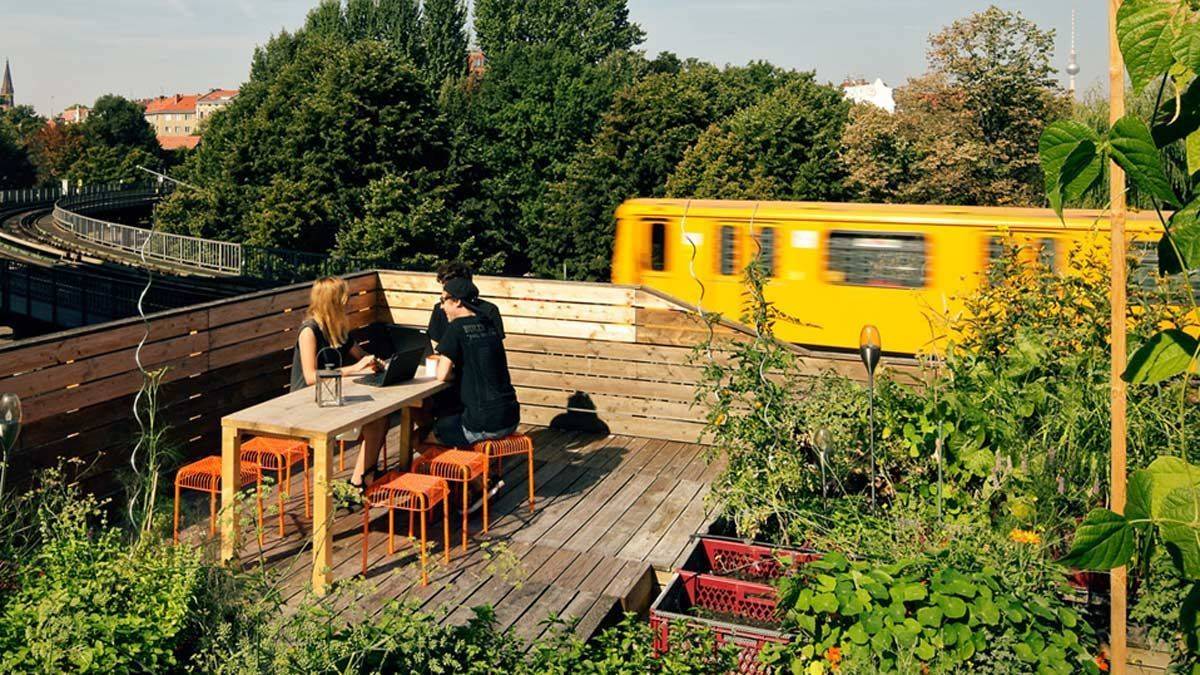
(296,415)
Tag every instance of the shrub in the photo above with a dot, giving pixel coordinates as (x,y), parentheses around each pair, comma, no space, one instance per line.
(88,602)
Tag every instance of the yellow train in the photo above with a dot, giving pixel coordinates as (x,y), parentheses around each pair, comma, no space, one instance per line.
(840,266)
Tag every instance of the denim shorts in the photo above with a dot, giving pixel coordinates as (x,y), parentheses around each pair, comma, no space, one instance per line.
(450,430)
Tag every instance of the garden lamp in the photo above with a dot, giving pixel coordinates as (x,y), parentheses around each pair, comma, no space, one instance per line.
(870,348)
(823,440)
(329,381)
(10,427)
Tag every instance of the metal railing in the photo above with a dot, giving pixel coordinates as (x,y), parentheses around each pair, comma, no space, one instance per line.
(274,265)
(177,249)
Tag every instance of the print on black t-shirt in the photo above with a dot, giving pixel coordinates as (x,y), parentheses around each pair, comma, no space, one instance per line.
(481,366)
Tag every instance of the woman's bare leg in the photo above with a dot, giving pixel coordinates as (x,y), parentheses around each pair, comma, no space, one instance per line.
(374,435)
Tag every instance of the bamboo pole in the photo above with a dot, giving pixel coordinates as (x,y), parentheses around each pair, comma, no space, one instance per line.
(1117,610)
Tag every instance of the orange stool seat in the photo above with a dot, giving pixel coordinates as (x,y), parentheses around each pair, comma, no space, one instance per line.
(458,466)
(204,475)
(414,493)
(515,444)
(278,455)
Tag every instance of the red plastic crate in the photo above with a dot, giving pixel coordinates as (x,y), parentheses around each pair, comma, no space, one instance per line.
(740,598)
(732,557)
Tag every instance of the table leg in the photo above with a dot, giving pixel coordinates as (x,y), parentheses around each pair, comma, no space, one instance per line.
(406,445)
(230,484)
(322,573)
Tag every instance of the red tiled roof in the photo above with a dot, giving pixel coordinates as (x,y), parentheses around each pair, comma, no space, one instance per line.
(218,95)
(172,104)
(176,142)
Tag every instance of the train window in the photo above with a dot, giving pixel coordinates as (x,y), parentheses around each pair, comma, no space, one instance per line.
(995,249)
(878,259)
(1144,273)
(766,250)
(658,246)
(728,259)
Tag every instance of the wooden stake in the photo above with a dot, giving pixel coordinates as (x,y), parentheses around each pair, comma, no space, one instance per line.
(1116,74)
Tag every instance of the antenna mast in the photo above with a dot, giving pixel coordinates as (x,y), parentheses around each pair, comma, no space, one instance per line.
(1072,62)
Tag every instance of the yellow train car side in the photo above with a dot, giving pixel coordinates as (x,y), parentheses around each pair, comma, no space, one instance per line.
(837,266)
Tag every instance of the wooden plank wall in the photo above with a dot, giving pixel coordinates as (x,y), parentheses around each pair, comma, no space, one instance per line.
(77,387)
(621,352)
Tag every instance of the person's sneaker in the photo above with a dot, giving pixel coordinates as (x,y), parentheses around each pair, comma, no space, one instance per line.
(477,503)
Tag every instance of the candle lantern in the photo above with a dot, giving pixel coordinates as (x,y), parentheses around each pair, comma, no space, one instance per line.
(870,348)
(329,380)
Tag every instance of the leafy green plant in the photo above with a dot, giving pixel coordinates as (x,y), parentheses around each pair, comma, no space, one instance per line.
(938,611)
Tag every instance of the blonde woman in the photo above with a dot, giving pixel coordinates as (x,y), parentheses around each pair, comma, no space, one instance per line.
(324,331)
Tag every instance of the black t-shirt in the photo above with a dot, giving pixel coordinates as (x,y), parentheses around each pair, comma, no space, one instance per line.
(488,398)
(438,322)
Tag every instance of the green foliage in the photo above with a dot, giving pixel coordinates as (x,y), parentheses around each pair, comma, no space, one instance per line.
(591,29)
(88,602)
(643,136)
(116,122)
(444,32)
(783,147)
(982,605)
(964,133)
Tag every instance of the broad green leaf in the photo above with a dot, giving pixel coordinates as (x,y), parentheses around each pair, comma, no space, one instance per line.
(1179,248)
(1167,354)
(1145,37)
(1068,617)
(1056,144)
(825,602)
(857,634)
(1181,508)
(1133,149)
(1140,490)
(1024,652)
(953,607)
(1188,623)
(1192,147)
(1168,127)
(1080,170)
(924,651)
(1185,46)
(986,611)
(930,616)
(1103,540)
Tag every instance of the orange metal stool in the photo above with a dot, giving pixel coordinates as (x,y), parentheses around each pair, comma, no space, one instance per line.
(516,444)
(205,476)
(414,493)
(458,466)
(278,455)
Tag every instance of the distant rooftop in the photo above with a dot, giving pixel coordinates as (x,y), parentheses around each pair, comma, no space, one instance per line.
(876,93)
(177,142)
(172,104)
(218,96)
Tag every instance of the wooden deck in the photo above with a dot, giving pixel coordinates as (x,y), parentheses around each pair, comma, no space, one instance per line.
(609,509)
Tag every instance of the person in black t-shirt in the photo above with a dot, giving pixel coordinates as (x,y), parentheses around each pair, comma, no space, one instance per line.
(474,356)
(448,401)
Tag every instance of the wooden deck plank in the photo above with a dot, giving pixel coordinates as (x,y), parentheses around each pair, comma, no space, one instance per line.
(675,539)
(583,510)
(630,522)
(588,535)
(493,591)
(648,536)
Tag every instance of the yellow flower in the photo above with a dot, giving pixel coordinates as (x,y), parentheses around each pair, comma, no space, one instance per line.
(1025,537)
(816,668)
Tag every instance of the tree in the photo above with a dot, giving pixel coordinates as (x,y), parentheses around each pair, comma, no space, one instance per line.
(964,133)
(54,148)
(16,171)
(783,147)
(117,122)
(592,29)
(444,29)
(930,151)
(290,160)
(406,220)
(535,107)
(644,135)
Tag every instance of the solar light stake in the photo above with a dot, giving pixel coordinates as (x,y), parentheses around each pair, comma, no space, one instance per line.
(10,427)
(870,348)
(823,440)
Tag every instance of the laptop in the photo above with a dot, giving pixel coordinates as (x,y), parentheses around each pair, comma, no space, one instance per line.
(402,367)
(406,337)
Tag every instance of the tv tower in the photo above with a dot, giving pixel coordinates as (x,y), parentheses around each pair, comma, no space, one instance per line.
(1072,63)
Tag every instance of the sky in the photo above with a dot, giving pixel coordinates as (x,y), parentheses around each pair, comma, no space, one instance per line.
(72,51)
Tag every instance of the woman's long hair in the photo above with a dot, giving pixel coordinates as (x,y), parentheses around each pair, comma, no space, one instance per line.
(327,305)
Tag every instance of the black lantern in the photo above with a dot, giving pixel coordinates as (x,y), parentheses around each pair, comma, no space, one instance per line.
(870,348)
(329,381)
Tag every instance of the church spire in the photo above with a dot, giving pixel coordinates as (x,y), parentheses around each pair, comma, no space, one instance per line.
(6,88)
